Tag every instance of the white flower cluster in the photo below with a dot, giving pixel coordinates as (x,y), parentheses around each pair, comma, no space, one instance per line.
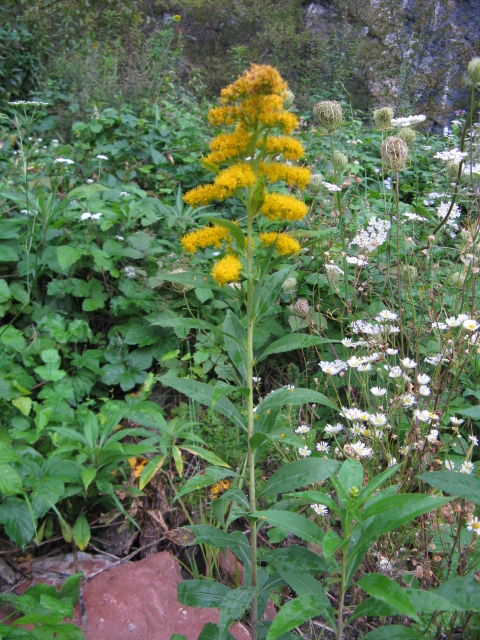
(414,217)
(373,236)
(63,161)
(452,322)
(333,368)
(28,103)
(360,260)
(90,216)
(331,187)
(408,121)
(472,168)
(454,215)
(452,155)
(360,326)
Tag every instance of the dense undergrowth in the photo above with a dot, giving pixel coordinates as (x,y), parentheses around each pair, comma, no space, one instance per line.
(297,367)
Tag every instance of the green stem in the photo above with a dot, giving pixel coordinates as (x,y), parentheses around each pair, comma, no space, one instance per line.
(342,597)
(338,196)
(250,418)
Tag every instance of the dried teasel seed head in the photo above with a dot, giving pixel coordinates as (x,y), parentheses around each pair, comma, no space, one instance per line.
(328,114)
(288,99)
(339,160)
(452,169)
(315,184)
(382,118)
(301,308)
(408,135)
(394,153)
(473,70)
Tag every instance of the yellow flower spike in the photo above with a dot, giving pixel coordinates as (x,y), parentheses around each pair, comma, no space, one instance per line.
(286,245)
(290,148)
(227,270)
(227,146)
(206,237)
(277,171)
(225,184)
(279,206)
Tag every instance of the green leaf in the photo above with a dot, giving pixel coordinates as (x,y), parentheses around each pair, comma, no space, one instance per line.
(313,497)
(14,338)
(210,457)
(88,476)
(331,542)
(293,522)
(351,475)
(395,511)
(10,481)
(294,613)
(386,590)
(293,341)
(237,347)
(193,278)
(202,593)
(470,412)
(234,605)
(150,470)
(267,291)
(201,392)
(51,371)
(463,593)
(299,474)
(17,519)
(81,532)
(201,480)
(68,255)
(47,492)
(457,484)
(394,632)
(295,559)
(233,228)
(282,397)
(8,253)
(236,541)
(23,404)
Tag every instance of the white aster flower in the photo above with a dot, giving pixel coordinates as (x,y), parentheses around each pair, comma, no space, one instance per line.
(333,429)
(348,342)
(391,352)
(470,325)
(408,400)
(361,450)
(351,414)
(303,428)
(320,509)
(353,362)
(85,216)
(357,429)
(474,440)
(408,363)
(102,157)
(433,436)
(422,378)
(379,419)
(304,452)
(364,366)
(473,525)
(322,447)
(435,360)
(392,462)
(449,466)
(441,326)
(404,450)
(377,391)
(467,467)
(333,368)
(456,421)
(386,316)
(424,390)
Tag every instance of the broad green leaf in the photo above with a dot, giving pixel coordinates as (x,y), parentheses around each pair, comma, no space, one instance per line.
(234,605)
(201,392)
(81,532)
(210,457)
(331,542)
(394,632)
(68,255)
(386,590)
(314,497)
(470,412)
(7,253)
(457,484)
(13,338)
(267,291)
(149,471)
(377,482)
(236,541)
(193,278)
(296,559)
(299,474)
(282,397)
(293,341)
(23,404)
(236,348)
(293,522)
(294,613)
(205,479)
(17,519)
(88,476)
(47,492)
(202,593)
(463,593)
(351,475)
(10,481)
(393,514)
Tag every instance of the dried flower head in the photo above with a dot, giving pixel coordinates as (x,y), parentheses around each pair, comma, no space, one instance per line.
(473,70)
(315,184)
(301,308)
(328,114)
(394,153)
(339,160)
(289,99)
(408,135)
(382,118)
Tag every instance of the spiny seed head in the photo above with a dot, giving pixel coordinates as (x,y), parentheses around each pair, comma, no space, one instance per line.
(289,99)
(394,153)
(458,279)
(328,114)
(301,308)
(382,118)
(315,184)
(408,135)
(473,70)
(289,285)
(339,160)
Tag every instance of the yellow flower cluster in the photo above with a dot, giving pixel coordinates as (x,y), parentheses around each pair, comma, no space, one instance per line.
(206,237)
(290,148)
(258,80)
(224,185)
(277,205)
(227,270)
(286,245)
(264,109)
(227,146)
(277,171)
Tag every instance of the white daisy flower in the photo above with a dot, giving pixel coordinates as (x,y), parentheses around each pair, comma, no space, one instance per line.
(304,452)
(408,400)
(408,363)
(320,509)
(424,390)
(470,325)
(473,525)
(473,439)
(456,421)
(391,352)
(303,428)
(467,467)
(422,378)
(322,447)
(361,450)
(378,391)
(332,429)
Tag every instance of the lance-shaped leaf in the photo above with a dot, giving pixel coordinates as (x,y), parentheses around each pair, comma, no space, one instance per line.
(205,479)
(291,342)
(299,474)
(292,522)
(235,338)
(456,484)
(282,397)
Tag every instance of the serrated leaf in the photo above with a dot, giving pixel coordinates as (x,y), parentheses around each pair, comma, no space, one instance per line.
(10,480)
(68,255)
(23,404)
(17,519)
